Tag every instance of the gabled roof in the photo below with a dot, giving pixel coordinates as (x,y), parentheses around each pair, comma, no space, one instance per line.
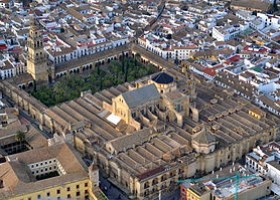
(141,96)
(128,141)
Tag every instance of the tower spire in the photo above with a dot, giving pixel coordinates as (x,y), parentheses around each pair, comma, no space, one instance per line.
(37,57)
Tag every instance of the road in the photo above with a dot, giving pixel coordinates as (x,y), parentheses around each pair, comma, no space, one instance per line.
(114,193)
(110,190)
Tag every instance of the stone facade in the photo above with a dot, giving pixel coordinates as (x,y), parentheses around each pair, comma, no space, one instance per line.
(37,57)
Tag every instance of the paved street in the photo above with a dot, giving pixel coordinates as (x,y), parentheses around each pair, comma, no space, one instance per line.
(114,193)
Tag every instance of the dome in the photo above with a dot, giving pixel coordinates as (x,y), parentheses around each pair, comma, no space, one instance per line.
(163,78)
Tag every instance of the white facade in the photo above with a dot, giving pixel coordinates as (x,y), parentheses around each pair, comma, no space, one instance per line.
(9,69)
(7,73)
(5,4)
(46,166)
(266,160)
(224,33)
(63,52)
(270,20)
(180,52)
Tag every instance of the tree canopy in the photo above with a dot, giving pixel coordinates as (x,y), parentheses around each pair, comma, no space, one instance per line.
(102,77)
(20,136)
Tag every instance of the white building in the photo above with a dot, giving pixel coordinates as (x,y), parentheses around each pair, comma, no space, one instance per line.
(270,20)
(60,51)
(5,3)
(161,47)
(266,160)
(7,70)
(227,32)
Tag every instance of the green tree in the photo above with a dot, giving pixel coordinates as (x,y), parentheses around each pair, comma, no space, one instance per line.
(126,72)
(275,6)
(98,68)
(123,62)
(70,86)
(20,136)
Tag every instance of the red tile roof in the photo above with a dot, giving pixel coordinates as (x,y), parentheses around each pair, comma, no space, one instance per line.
(209,71)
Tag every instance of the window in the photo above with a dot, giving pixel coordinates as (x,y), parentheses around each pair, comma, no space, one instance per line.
(68,189)
(77,194)
(68,196)
(48,194)
(77,186)
(86,191)
(86,184)
(58,191)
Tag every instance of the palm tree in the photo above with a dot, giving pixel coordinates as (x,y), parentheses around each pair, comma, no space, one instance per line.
(137,58)
(20,136)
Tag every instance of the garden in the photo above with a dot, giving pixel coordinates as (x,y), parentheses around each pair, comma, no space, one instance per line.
(116,72)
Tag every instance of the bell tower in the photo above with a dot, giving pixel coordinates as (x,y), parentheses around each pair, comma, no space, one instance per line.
(37,58)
